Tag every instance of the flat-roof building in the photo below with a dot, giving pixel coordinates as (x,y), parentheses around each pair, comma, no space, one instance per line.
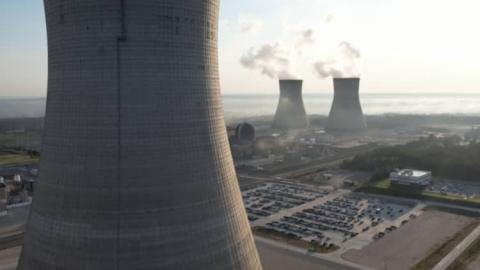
(411,178)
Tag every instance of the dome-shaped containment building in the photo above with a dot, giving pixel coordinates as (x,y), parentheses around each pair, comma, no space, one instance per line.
(245,132)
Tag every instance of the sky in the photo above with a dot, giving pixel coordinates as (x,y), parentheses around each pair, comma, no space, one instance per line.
(395,46)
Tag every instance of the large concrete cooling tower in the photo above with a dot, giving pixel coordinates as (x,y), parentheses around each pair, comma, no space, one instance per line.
(136,171)
(290,111)
(346,114)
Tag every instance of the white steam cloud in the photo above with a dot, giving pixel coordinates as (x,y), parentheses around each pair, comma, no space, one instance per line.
(306,39)
(271,60)
(327,69)
(348,50)
(250,26)
(329,18)
(275,61)
(343,65)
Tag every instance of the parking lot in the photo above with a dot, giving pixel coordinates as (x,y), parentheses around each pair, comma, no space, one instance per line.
(269,198)
(463,189)
(341,219)
(334,219)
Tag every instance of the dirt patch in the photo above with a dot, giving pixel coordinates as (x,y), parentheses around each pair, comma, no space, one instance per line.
(437,255)
(411,243)
(475,265)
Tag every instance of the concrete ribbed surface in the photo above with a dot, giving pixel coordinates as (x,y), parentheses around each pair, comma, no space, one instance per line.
(136,171)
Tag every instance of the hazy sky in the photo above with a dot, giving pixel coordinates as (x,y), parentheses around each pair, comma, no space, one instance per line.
(394,45)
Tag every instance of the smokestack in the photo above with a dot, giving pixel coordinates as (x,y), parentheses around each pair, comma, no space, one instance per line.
(290,111)
(346,114)
(136,170)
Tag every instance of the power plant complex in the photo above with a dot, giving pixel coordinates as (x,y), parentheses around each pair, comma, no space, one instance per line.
(141,168)
(346,114)
(136,170)
(291,112)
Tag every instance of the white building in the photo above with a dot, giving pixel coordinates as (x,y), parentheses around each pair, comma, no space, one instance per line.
(410,177)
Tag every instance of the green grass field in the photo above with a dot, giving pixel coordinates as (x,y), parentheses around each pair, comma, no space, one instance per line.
(14,139)
(16,159)
(450,197)
(385,184)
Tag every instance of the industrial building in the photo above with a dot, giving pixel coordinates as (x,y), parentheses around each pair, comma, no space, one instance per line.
(411,178)
(136,171)
(346,115)
(290,114)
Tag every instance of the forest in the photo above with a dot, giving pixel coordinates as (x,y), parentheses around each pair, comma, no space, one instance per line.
(451,157)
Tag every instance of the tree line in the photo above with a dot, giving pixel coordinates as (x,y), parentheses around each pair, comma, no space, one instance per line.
(450,157)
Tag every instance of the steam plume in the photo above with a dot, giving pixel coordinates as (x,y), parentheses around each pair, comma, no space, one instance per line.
(271,60)
(329,18)
(306,39)
(248,25)
(344,65)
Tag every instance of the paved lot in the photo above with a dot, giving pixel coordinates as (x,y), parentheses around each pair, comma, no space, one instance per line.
(9,257)
(408,245)
(265,199)
(12,224)
(275,257)
(15,218)
(340,219)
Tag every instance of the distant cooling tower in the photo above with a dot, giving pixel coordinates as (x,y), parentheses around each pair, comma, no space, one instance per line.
(346,114)
(136,171)
(290,111)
